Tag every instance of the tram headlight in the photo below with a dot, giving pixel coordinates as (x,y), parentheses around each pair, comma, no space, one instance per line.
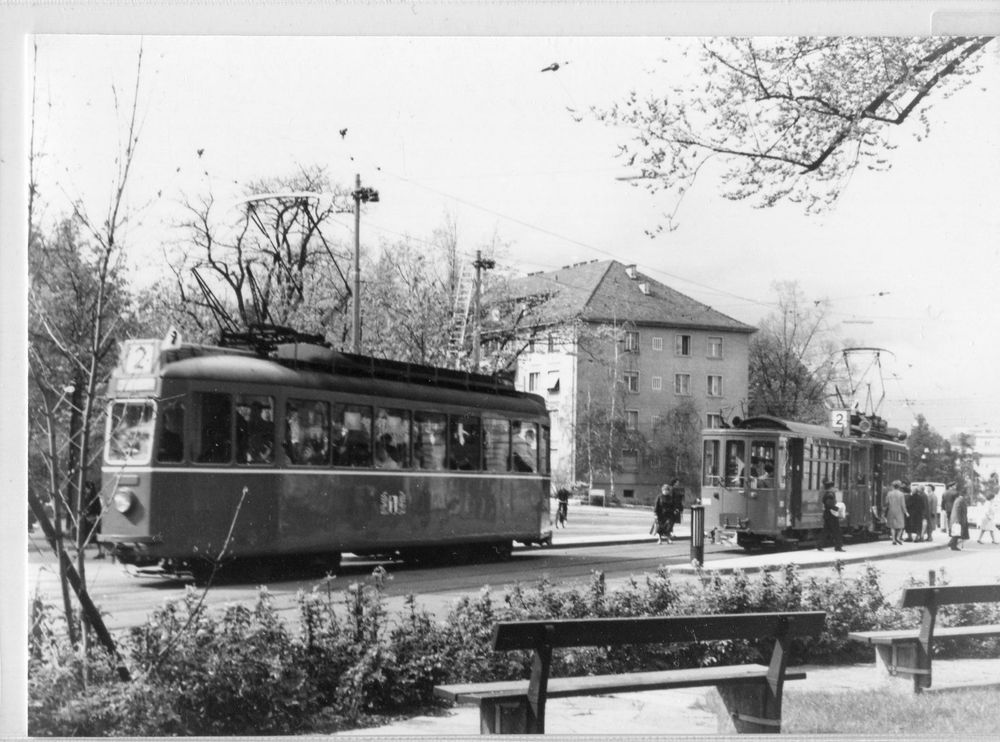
(123,501)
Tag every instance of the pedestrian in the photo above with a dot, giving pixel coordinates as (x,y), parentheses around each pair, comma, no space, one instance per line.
(92,521)
(959,523)
(914,514)
(831,519)
(562,509)
(987,521)
(931,512)
(947,502)
(895,511)
(676,505)
(663,509)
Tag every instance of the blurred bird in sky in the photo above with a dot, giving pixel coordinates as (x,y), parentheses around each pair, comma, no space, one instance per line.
(343,133)
(553,67)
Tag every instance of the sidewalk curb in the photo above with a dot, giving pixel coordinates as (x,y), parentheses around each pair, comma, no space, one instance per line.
(784,557)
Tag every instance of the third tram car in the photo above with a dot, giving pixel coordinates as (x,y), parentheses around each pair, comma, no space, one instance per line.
(294,450)
(764,477)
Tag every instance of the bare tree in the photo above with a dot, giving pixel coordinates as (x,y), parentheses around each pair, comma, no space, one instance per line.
(267,261)
(791,367)
(78,306)
(789,118)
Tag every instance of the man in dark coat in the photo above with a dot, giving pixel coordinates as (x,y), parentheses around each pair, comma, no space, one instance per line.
(915,514)
(663,508)
(831,520)
(947,502)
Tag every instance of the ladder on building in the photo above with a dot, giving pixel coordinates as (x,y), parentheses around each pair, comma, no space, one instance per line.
(460,314)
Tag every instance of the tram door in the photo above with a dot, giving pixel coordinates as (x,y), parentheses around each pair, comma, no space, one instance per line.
(796,450)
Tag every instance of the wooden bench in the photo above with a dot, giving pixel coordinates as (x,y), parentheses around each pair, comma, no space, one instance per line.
(906,653)
(752,692)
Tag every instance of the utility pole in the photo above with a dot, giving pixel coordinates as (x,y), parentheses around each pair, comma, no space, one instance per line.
(360,195)
(481,264)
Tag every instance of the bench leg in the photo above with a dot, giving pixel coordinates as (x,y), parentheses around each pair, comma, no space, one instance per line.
(752,707)
(504,716)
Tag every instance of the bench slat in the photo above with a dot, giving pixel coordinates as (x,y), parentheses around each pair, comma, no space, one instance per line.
(918,597)
(906,636)
(590,685)
(656,630)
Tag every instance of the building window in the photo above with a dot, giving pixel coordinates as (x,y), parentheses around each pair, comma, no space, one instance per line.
(631,342)
(682,345)
(630,460)
(533,378)
(714,421)
(714,346)
(657,343)
(631,419)
(654,421)
(714,385)
(682,384)
(628,494)
(657,383)
(632,382)
(552,386)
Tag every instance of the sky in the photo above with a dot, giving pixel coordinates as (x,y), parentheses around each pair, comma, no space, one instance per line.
(471,129)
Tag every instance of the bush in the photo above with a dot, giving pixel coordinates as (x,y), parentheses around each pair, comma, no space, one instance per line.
(242,671)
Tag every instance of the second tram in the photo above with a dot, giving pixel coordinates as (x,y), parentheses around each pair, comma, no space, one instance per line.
(763,477)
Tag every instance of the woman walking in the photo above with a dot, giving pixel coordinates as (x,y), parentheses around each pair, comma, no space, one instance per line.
(987,521)
(959,523)
(895,512)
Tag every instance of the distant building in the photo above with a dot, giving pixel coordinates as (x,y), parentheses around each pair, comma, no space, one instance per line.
(678,366)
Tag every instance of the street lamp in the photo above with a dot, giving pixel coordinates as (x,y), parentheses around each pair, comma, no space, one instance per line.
(361,195)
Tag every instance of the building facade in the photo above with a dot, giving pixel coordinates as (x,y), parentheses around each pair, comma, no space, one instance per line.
(632,371)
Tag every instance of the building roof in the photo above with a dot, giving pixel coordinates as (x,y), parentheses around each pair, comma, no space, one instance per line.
(607,290)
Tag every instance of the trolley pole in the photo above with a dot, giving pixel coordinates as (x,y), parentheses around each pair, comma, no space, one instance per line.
(698,534)
(360,195)
(481,265)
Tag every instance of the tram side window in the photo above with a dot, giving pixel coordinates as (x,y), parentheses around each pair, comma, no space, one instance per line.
(524,453)
(307,432)
(465,443)
(171,445)
(762,464)
(496,444)
(130,432)
(392,439)
(544,449)
(711,463)
(213,427)
(254,429)
(429,440)
(736,463)
(352,435)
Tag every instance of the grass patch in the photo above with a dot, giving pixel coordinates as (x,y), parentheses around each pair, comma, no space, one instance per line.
(864,713)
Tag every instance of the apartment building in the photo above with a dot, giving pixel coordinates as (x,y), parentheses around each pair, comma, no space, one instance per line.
(631,369)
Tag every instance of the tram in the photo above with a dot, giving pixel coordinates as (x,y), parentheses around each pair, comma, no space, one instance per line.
(284,447)
(763,476)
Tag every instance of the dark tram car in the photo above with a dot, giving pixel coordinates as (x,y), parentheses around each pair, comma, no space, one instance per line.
(763,478)
(218,453)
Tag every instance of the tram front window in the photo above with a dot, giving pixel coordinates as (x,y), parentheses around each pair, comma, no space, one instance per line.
(735,463)
(762,464)
(130,432)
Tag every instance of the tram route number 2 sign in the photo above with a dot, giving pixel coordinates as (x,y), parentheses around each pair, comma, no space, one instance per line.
(840,419)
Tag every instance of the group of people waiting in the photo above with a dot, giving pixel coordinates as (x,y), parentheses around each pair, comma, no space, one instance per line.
(912,511)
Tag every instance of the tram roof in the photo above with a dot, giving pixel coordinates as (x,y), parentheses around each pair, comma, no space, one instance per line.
(768,422)
(249,370)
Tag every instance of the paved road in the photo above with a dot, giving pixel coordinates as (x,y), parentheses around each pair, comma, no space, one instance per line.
(614,541)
